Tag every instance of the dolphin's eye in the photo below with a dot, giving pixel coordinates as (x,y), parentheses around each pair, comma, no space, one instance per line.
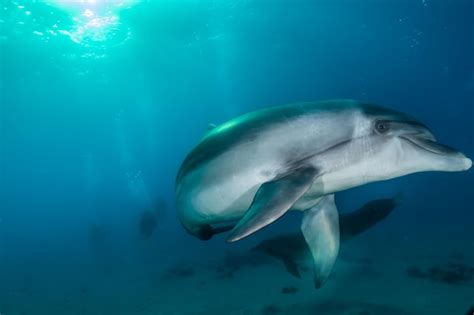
(381,126)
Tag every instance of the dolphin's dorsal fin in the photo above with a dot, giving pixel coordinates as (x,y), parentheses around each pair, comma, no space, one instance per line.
(208,130)
(320,227)
(272,200)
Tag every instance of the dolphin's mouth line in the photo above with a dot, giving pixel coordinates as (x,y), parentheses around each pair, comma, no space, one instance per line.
(431,146)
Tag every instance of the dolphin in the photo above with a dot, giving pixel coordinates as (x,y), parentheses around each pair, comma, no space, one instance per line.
(291,248)
(254,168)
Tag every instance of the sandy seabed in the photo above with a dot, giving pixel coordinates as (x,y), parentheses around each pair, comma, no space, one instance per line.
(371,277)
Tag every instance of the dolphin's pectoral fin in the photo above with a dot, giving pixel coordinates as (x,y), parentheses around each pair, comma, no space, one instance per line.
(320,227)
(272,200)
(292,267)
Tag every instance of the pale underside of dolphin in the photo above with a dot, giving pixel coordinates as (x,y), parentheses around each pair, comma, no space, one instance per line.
(254,168)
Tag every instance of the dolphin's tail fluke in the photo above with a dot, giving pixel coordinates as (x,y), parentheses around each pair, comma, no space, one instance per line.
(292,267)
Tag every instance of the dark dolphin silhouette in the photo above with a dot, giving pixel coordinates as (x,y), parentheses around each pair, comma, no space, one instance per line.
(290,248)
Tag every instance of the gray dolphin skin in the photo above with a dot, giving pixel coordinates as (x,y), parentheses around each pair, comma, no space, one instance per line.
(249,171)
(291,248)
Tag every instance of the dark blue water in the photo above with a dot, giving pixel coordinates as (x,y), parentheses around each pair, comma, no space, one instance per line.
(101,101)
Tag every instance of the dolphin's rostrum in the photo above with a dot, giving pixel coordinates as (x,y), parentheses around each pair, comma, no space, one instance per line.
(254,168)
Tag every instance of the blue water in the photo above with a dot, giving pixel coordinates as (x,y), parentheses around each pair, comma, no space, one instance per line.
(102,100)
